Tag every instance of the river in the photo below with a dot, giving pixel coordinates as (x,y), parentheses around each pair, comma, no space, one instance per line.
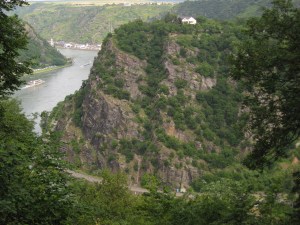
(58,84)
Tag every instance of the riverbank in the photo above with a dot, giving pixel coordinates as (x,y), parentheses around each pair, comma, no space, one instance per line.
(58,84)
(81,49)
(51,68)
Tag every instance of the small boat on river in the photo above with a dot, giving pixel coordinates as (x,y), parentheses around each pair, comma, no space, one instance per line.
(86,64)
(33,83)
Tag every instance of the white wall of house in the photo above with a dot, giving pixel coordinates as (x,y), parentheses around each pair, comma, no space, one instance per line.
(190,20)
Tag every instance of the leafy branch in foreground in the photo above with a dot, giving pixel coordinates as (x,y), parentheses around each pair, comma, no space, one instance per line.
(12,39)
(268,64)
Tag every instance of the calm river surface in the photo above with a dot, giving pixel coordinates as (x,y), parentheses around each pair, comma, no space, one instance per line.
(58,84)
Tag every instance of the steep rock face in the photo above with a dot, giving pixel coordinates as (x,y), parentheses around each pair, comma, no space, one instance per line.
(104,116)
(184,70)
(106,119)
(130,68)
(142,110)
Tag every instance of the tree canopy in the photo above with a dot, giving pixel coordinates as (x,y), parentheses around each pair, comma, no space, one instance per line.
(33,182)
(268,63)
(12,39)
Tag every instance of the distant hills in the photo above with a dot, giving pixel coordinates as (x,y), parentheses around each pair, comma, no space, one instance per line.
(84,24)
(223,9)
(91,23)
(219,9)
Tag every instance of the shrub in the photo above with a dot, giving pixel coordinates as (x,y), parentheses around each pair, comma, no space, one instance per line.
(180,83)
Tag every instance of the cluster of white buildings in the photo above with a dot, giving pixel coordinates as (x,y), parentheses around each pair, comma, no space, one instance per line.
(73,45)
(147,3)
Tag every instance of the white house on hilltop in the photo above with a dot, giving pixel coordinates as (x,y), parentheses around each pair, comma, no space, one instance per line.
(189,20)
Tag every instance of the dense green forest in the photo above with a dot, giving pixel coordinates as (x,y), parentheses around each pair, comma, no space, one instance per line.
(35,187)
(36,190)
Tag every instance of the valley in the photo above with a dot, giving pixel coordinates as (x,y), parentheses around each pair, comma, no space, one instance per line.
(167,122)
(84,24)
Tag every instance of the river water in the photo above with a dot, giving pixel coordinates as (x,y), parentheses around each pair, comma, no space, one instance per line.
(58,84)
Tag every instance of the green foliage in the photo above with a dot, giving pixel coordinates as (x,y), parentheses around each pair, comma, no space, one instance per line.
(134,146)
(146,41)
(78,98)
(150,182)
(39,52)
(32,178)
(172,18)
(182,52)
(205,70)
(267,64)
(107,71)
(214,41)
(170,142)
(10,5)
(75,146)
(221,202)
(229,198)
(13,38)
(221,109)
(180,83)
(107,203)
(34,188)
(216,120)
(32,175)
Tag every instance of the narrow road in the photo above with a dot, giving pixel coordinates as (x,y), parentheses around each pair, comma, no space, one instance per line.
(84,176)
(92,179)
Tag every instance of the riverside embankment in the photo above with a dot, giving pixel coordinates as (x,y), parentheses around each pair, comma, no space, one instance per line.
(58,84)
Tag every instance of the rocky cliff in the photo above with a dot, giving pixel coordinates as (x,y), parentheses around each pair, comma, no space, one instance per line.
(146,109)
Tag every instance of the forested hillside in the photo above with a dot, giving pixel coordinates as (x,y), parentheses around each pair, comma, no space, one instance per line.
(159,106)
(169,108)
(90,24)
(160,110)
(84,24)
(223,9)
(39,51)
